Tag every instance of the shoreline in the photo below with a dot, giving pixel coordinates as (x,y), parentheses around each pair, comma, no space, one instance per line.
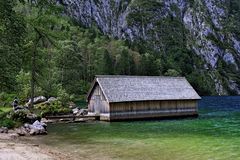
(13,147)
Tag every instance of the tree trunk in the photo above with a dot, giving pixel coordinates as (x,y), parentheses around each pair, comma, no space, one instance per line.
(33,77)
(33,69)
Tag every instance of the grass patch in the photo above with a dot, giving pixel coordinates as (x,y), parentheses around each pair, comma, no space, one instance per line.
(5,109)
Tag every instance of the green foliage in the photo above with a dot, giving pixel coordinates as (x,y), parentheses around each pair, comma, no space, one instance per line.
(63,97)
(12,33)
(233,21)
(19,116)
(172,72)
(83,87)
(202,82)
(23,80)
(5,109)
(149,65)
(12,119)
(6,122)
(6,99)
(54,108)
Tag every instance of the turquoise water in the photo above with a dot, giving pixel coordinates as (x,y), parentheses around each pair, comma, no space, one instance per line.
(215,135)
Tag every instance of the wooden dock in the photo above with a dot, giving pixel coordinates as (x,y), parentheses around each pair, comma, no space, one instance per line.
(73,118)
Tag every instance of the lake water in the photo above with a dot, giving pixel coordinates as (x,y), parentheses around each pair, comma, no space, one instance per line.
(215,135)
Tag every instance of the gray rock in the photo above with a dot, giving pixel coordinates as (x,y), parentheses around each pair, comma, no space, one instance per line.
(44,120)
(39,125)
(37,100)
(4,130)
(51,99)
(72,105)
(22,131)
(17,108)
(75,110)
(83,112)
(13,135)
(26,125)
(32,117)
(35,131)
(37,128)
(228,58)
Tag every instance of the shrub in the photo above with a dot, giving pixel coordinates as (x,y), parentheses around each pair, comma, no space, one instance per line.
(6,99)
(7,123)
(172,72)
(20,116)
(24,87)
(54,108)
(23,84)
(63,97)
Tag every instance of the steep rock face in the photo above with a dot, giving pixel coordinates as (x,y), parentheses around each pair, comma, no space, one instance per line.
(135,20)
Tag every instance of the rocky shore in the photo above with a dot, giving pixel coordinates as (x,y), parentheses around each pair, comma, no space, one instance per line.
(14,148)
(37,128)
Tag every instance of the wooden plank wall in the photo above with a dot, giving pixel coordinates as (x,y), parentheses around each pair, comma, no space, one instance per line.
(151,109)
(98,100)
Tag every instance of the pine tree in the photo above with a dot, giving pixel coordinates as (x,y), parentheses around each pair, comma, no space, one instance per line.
(12,32)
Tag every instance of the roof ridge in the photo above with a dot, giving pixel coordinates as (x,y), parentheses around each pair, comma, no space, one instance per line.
(135,76)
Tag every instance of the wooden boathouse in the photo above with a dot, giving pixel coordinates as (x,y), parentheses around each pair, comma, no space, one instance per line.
(117,97)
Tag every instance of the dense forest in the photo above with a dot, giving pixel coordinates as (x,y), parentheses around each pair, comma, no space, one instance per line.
(44,52)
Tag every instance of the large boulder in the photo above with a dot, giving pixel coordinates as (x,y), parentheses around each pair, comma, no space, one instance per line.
(40,125)
(37,100)
(37,128)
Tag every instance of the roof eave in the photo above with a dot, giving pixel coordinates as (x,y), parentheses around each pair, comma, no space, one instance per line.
(102,90)
(155,100)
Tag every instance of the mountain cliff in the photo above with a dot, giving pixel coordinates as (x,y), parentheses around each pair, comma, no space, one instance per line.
(207,29)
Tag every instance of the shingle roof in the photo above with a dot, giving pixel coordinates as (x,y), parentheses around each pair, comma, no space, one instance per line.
(144,88)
